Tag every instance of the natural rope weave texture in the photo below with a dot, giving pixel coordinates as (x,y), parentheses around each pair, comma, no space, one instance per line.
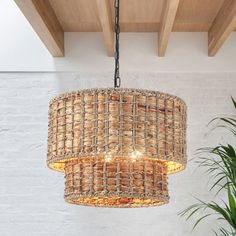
(120,182)
(117,123)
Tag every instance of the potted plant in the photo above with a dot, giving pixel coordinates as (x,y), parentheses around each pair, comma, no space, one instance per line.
(220,163)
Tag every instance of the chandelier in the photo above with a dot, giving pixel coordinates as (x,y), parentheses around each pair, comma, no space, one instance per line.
(116,146)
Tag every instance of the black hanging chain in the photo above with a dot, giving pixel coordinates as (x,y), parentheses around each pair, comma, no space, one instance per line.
(117,81)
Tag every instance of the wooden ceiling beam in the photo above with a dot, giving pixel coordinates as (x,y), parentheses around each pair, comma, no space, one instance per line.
(166,24)
(104,11)
(222,26)
(41,16)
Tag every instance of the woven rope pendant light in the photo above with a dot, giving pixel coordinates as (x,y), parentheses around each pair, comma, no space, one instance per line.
(116,146)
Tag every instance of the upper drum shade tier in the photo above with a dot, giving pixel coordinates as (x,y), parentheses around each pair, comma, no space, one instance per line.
(113,123)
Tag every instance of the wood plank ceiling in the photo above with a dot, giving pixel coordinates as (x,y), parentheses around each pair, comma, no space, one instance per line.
(51,18)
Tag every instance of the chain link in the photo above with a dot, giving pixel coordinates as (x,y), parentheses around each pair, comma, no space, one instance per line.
(117,80)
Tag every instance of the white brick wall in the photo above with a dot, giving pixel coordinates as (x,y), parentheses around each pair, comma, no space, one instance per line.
(31,196)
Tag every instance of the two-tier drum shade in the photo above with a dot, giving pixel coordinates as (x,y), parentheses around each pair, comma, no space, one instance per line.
(116,146)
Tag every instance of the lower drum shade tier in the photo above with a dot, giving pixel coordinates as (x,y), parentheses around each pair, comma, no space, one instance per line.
(116,182)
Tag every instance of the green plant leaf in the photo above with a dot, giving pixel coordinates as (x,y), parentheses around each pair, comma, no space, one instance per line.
(234,102)
(219,163)
(200,219)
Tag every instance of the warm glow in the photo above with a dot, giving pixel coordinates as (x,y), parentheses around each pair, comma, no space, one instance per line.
(108,158)
(136,155)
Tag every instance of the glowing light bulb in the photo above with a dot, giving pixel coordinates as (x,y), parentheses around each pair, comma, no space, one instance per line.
(108,158)
(135,155)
